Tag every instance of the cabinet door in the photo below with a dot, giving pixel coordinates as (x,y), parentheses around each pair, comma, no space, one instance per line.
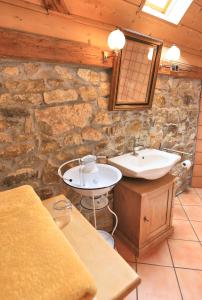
(156,213)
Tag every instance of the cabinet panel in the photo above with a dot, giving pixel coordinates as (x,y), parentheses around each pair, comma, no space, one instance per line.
(155,216)
(144,211)
(127,207)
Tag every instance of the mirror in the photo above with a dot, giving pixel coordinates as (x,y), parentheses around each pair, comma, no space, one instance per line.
(135,71)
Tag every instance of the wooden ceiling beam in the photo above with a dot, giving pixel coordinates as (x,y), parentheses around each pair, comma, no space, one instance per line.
(56,5)
(20,45)
(15,44)
(26,4)
(193,74)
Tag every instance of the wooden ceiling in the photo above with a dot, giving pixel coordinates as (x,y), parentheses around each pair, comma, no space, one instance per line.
(127,14)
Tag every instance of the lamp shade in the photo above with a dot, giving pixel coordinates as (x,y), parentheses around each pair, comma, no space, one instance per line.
(116,40)
(173,53)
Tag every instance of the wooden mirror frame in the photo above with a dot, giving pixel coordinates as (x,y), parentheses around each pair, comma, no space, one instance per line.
(137,37)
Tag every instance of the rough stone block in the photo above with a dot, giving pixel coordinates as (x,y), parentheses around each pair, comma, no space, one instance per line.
(12,151)
(104,89)
(102,118)
(48,146)
(50,174)
(84,74)
(11,71)
(31,68)
(63,72)
(91,134)
(104,76)
(55,83)
(102,103)
(88,93)
(60,96)
(25,86)
(5,138)
(14,111)
(64,118)
(21,175)
(94,78)
(73,139)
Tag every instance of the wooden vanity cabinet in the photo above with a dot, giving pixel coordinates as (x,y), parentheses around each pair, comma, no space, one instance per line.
(144,210)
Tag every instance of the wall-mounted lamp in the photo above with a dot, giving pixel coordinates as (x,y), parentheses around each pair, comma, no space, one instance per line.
(116,42)
(172,55)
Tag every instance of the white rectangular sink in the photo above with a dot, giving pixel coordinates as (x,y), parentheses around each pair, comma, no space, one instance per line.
(148,163)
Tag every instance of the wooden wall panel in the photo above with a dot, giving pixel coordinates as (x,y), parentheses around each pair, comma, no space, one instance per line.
(198,158)
(199,146)
(197,182)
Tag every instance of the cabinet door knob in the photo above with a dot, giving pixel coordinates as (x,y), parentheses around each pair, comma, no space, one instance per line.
(145,219)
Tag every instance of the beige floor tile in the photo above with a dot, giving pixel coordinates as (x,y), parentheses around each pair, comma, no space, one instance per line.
(186,254)
(160,255)
(199,191)
(183,231)
(190,197)
(198,229)
(124,251)
(157,283)
(176,200)
(194,213)
(133,294)
(190,282)
(178,213)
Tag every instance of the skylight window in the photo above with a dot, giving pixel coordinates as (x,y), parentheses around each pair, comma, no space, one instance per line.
(160,6)
(169,10)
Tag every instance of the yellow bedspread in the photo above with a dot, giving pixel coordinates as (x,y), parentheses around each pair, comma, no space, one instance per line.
(36,261)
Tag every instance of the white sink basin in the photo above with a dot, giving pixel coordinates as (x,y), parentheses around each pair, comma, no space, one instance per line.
(149,163)
(95,183)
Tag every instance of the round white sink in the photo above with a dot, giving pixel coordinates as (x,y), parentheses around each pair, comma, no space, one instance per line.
(93,183)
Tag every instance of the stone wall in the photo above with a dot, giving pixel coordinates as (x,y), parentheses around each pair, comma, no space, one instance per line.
(51,113)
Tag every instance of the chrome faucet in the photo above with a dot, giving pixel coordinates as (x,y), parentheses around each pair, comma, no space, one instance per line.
(137,147)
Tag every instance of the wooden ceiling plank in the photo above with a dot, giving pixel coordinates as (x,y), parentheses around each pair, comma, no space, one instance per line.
(198,2)
(193,18)
(36,2)
(123,14)
(30,5)
(57,5)
(134,2)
